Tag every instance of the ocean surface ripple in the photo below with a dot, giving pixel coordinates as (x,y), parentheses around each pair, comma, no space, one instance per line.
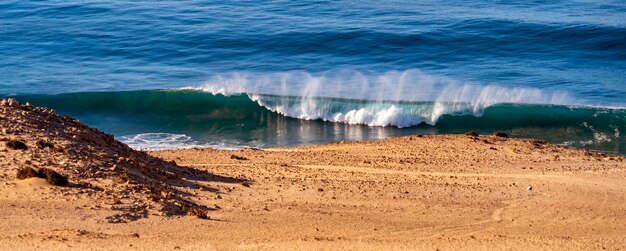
(389,68)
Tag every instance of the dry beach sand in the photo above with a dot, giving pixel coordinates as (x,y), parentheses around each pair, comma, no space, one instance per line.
(445,192)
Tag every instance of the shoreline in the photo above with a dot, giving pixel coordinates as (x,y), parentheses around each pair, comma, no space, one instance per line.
(445,192)
(202,118)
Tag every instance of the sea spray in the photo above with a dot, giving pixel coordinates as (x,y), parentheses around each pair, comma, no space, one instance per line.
(395,98)
(407,85)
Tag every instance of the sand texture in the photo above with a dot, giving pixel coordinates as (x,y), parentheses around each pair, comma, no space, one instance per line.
(448,192)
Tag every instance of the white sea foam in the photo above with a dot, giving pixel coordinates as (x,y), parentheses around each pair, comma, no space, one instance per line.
(598,136)
(306,96)
(161,141)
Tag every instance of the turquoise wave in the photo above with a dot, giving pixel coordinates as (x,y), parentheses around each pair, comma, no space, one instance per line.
(270,120)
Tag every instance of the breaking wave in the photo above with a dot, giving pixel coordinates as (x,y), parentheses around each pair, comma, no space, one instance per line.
(395,98)
(255,119)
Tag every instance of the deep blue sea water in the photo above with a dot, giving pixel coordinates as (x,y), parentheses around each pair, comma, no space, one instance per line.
(275,73)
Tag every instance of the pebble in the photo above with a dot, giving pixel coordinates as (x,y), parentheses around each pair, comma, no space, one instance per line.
(13,102)
(529,188)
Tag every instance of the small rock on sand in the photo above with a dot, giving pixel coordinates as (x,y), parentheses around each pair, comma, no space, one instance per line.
(472,134)
(500,134)
(13,102)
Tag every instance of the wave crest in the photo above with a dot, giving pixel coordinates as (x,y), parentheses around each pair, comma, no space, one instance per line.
(394,98)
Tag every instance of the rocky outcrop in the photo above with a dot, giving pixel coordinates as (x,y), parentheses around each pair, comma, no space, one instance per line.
(93,161)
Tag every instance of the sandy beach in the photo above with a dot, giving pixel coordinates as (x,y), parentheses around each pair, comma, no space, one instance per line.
(445,192)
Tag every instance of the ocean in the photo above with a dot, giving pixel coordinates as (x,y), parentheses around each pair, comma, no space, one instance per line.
(234,74)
